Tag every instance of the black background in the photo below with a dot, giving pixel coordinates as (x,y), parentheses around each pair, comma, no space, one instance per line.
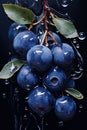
(78,11)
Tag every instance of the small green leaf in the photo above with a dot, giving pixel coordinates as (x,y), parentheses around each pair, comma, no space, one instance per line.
(65,27)
(75,93)
(19,14)
(10,69)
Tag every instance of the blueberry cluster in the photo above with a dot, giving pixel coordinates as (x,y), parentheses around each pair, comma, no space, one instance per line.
(46,72)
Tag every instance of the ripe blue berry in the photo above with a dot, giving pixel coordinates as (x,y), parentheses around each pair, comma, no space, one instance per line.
(63,56)
(39,57)
(65,108)
(26,78)
(41,100)
(14,29)
(24,41)
(55,79)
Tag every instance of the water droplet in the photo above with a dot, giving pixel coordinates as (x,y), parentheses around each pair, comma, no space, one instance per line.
(9,53)
(46,124)
(82,36)
(26,109)
(26,98)
(60,123)
(80,106)
(13,68)
(74,41)
(66,14)
(16,90)
(4,95)
(36,0)
(64,3)
(31,39)
(40,32)
(77,46)
(57,31)
(6,82)
(42,23)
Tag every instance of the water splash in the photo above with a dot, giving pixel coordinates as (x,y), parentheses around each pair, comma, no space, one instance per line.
(79,68)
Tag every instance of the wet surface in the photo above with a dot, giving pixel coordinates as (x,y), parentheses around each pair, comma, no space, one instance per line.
(14,111)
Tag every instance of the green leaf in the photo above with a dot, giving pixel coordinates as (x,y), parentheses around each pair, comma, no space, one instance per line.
(10,69)
(19,14)
(75,93)
(65,27)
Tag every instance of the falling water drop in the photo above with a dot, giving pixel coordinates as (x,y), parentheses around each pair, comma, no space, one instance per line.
(80,106)
(77,46)
(74,41)
(82,36)
(6,82)
(26,109)
(4,95)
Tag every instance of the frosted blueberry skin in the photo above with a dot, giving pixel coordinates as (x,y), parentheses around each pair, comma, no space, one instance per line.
(55,79)
(14,29)
(41,101)
(65,108)
(24,41)
(63,56)
(50,40)
(26,78)
(39,58)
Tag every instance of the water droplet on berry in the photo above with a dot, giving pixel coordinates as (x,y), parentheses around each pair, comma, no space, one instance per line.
(6,82)
(31,39)
(40,32)
(82,36)
(60,123)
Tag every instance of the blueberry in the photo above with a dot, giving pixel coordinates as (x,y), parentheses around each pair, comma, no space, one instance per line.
(35,5)
(63,56)
(14,29)
(65,108)
(41,100)
(26,78)
(55,79)
(51,43)
(24,41)
(39,57)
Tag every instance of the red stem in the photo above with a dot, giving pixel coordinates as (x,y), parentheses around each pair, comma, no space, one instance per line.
(45,14)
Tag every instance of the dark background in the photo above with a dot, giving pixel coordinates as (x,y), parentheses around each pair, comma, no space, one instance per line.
(78,12)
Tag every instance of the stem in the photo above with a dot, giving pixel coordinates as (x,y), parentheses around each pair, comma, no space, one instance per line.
(34,24)
(52,37)
(44,37)
(45,14)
